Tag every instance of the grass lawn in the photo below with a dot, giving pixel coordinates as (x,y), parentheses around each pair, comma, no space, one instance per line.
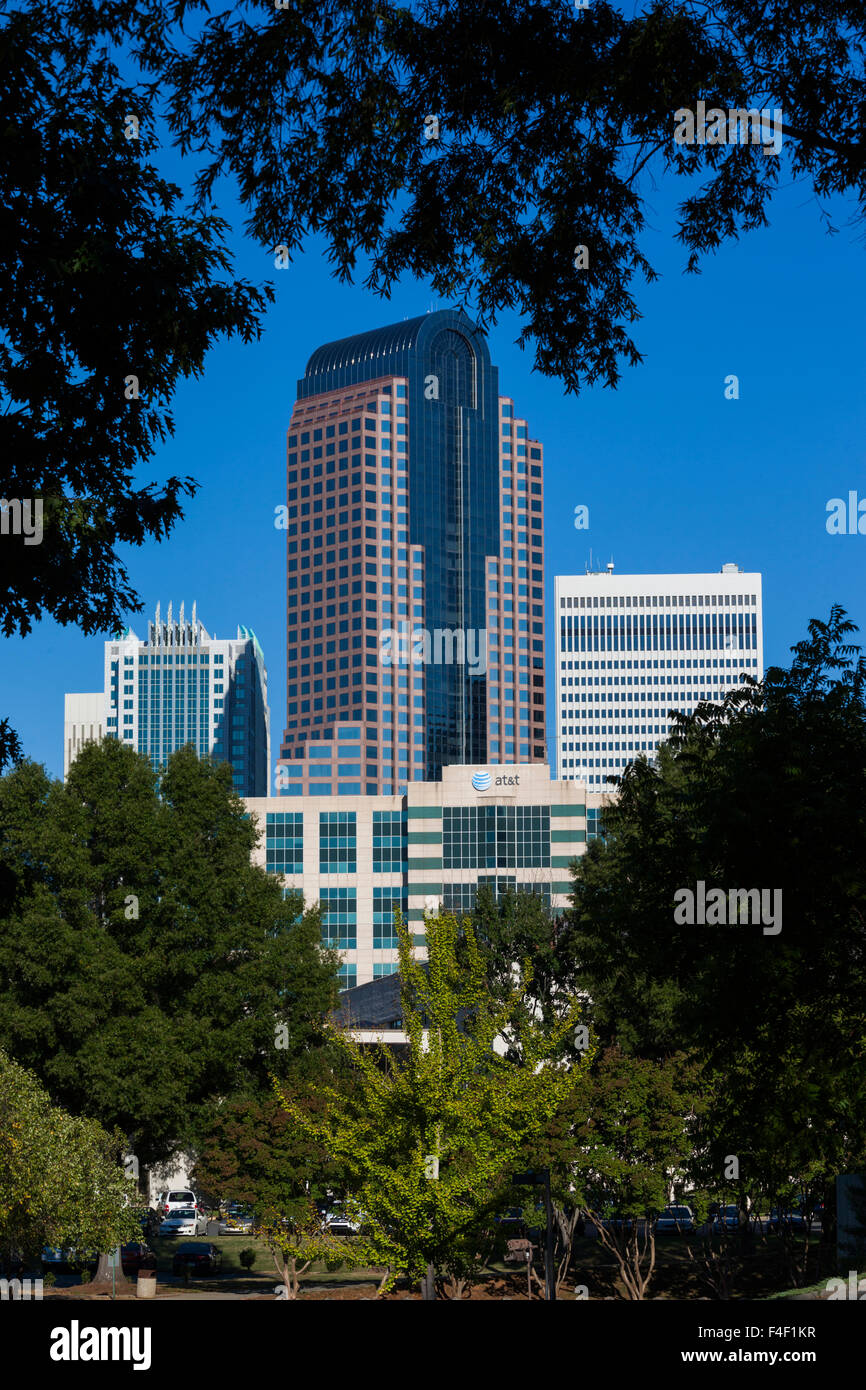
(263,1274)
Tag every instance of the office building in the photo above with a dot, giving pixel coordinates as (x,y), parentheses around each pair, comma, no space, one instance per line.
(506,826)
(632,647)
(178,686)
(415,555)
(83,722)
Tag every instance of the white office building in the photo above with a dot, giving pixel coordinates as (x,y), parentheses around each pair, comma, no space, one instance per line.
(630,648)
(83,722)
(431,848)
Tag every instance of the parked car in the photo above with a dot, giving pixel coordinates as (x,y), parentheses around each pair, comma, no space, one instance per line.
(676,1220)
(66,1260)
(787,1218)
(618,1224)
(238,1222)
(177,1200)
(727,1217)
(197,1256)
(186,1222)
(136,1256)
(337,1223)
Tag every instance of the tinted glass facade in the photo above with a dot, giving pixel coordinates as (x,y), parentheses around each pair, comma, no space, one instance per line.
(490,837)
(406,512)
(181,686)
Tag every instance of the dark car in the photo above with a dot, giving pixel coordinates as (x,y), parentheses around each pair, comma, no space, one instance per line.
(136,1256)
(787,1219)
(197,1256)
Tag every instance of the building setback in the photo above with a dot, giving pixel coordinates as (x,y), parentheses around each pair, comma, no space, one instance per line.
(415,608)
(181,686)
(632,647)
(361,857)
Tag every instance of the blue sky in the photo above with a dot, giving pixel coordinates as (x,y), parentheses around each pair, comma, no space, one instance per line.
(676,477)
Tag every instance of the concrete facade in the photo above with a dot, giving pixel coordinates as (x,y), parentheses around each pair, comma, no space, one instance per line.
(83,722)
(508,825)
(632,647)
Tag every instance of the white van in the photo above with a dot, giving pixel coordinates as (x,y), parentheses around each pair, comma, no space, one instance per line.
(175,1199)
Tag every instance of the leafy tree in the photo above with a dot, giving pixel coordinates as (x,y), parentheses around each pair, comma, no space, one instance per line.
(10,745)
(554,128)
(615,1148)
(519,933)
(103,279)
(145,965)
(297,1240)
(764,790)
(253,1153)
(453,1102)
(61,1180)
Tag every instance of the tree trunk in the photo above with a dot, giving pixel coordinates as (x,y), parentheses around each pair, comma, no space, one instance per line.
(428,1285)
(103,1275)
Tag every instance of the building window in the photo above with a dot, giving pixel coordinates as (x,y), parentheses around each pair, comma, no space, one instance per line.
(386,901)
(389,842)
(495,837)
(383,968)
(284,842)
(337,842)
(339,918)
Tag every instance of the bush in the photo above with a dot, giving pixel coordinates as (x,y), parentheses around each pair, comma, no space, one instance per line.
(247,1257)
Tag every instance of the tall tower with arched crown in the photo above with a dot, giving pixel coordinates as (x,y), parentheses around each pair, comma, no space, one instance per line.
(415,608)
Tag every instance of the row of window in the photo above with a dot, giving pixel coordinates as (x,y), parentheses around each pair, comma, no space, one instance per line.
(659,632)
(661,601)
(495,837)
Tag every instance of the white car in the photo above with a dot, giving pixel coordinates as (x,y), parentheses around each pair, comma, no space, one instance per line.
(178,1199)
(337,1223)
(187,1222)
(675,1220)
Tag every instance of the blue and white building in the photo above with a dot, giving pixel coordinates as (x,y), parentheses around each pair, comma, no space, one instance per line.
(179,686)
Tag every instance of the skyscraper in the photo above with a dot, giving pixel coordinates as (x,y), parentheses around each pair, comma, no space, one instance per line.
(182,686)
(632,647)
(415,550)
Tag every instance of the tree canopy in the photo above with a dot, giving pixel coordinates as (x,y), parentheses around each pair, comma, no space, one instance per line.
(146,965)
(110,294)
(553,124)
(765,791)
(61,1178)
(429,1139)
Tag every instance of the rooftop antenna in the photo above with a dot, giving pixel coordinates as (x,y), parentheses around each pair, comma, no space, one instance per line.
(610,565)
